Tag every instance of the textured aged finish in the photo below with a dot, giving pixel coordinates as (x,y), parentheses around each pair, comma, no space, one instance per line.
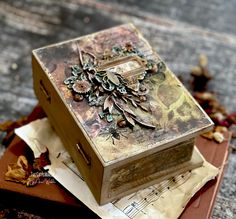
(178,30)
(172,114)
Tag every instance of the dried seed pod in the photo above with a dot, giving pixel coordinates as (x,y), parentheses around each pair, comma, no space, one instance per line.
(129,47)
(143,98)
(208,135)
(78,97)
(196,71)
(203,60)
(122,123)
(221,129)
(218,137)
(154,68)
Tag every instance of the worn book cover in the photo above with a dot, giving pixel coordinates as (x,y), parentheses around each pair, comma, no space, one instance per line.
(45,197)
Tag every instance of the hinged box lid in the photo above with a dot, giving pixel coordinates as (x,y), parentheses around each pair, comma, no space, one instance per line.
(123,96)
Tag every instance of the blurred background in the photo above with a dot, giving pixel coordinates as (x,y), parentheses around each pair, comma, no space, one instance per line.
(178,30)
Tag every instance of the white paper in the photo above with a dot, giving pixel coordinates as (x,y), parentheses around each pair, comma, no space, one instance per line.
(165,200)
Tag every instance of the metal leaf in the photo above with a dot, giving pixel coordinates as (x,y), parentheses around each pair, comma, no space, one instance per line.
(144,124)
(133,103)
(76,70)
(122,89)
(108,86)
(127,109)
(109,118)
(70,79)
(108,104)
(101,115)
(125,100)
(97,93)
(113,78)
(129,118)
(143,107)
(98,77)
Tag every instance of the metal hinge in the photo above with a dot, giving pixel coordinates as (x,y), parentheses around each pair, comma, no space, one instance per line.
(44,91)
(86,158)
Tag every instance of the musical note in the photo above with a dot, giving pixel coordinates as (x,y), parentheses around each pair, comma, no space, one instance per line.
(136,203)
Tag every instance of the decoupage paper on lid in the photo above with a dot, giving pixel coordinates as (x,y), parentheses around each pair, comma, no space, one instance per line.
(123,95)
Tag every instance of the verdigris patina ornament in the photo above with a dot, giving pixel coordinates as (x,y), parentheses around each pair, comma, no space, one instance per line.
(113,82)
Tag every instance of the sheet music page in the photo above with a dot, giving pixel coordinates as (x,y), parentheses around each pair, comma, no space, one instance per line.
(165,200)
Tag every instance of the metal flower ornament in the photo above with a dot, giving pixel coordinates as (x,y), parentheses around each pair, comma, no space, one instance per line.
(113,83)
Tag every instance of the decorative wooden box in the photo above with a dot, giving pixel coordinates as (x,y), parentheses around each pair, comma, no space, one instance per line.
(124,117)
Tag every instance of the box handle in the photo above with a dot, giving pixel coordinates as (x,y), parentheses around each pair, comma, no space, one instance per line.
(44,90)
(84,155)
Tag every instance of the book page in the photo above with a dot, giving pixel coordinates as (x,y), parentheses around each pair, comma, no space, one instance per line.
(165,200)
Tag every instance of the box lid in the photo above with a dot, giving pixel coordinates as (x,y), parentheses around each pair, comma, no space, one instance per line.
(122,95)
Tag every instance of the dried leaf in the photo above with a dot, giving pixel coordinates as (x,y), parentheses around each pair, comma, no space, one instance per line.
(129,119)
(8,126)
(19,171)
(41,161)
(113,77)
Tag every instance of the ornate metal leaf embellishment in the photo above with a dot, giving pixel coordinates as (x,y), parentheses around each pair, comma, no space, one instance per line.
(113,82)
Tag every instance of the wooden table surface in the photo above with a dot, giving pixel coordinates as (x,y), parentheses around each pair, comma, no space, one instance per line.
(178,30)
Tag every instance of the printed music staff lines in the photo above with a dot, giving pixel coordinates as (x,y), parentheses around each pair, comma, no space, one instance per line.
(138,201)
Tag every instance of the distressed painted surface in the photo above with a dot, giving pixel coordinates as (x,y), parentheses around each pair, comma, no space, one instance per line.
(178,30)
(170,108)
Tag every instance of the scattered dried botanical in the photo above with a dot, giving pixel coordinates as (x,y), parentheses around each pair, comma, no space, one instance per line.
(42,161)
(8,127)
(201,75)
(223,121)
(29,175)
(218,137)
(19,171)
